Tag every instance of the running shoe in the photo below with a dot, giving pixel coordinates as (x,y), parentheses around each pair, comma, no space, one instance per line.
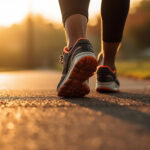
(79,63)
(106,79)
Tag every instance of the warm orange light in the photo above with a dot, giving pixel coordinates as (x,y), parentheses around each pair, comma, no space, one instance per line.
(14,11)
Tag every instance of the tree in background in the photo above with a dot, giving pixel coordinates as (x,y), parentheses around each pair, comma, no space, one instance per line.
(48,39)
(44,44)
(137,32)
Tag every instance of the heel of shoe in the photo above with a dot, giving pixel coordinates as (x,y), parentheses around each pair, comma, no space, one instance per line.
(107,87)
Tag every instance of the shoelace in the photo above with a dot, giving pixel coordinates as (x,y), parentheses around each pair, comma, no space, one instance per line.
(61,59)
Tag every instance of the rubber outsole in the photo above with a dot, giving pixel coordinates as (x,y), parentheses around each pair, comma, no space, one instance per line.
(74,86)
(106,90)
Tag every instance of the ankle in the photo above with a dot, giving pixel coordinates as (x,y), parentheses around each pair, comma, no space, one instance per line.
(72,41)
(109,54)
(110,64)
(75,26)
(107,62)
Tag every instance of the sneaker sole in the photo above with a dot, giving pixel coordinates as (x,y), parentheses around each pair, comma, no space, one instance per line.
(83,66)
(107,87)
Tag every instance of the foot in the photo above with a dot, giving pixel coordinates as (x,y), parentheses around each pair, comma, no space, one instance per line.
(106,79)
(79,64)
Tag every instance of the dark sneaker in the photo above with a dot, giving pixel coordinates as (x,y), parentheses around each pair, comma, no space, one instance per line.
(79,64)
(106,80)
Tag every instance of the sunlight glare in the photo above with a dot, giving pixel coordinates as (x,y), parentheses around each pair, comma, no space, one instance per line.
(14,11)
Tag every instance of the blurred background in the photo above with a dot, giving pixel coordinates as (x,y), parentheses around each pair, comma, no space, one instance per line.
(32,36)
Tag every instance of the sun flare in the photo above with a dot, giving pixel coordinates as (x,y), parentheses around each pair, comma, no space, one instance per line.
(14,11)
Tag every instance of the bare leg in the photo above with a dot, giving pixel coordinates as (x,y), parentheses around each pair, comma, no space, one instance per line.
(75,27)
(75,18)
(109,51)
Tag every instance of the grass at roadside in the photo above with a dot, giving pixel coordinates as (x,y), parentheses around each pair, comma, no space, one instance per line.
(137,69)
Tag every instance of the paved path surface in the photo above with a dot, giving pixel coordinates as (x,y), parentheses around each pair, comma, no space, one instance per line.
(32,117)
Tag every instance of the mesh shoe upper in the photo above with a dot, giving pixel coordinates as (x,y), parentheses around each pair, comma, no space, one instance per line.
(82,45)
(105,74)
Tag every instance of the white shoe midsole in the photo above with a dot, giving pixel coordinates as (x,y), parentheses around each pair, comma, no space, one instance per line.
(74,62)
(111,85)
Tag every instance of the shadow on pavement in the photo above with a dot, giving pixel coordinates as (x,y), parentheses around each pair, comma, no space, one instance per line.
(125,113)
(132,96)
(108,103)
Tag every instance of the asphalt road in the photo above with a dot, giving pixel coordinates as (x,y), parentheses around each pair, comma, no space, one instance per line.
(32,117)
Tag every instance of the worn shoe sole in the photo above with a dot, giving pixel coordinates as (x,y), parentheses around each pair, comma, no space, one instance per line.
(83,66)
